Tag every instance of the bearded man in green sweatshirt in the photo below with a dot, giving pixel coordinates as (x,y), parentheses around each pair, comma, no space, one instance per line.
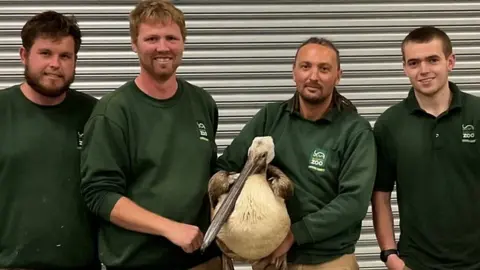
(327,149)
(149,153)
(44,223)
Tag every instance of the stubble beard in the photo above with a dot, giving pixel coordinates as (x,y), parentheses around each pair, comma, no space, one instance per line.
(312,100)
(163,76)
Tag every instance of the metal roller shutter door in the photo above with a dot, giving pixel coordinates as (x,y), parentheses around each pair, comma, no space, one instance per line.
(242,53)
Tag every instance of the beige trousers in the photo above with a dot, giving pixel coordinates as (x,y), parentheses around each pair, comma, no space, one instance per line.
(345,262)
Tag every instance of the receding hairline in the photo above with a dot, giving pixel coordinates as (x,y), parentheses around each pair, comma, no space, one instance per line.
(335,55)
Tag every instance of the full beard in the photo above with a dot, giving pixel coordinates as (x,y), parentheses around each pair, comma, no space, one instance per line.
(36,85)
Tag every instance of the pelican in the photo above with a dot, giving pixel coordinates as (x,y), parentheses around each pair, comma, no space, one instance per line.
(250,218)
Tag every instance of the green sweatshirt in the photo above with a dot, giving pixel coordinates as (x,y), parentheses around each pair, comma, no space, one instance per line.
(158,153)
(332,163)
(44,223)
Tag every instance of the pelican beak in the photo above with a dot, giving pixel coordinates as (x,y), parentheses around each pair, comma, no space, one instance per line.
(228,205)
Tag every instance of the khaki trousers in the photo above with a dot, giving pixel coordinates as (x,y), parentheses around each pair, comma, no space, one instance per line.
(345,262)
(212,264)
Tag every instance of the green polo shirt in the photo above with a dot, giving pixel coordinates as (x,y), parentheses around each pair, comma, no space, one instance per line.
(332,165)
(435,163)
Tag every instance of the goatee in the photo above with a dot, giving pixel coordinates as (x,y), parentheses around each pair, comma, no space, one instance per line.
(312,100)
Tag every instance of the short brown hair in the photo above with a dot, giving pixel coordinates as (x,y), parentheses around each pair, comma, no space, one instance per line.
(322,42)
(426,34)
(156,10)
(51,24)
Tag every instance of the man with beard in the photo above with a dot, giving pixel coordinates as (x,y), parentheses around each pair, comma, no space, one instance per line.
(427,147)
(44,223)
(327,149)
(149,153)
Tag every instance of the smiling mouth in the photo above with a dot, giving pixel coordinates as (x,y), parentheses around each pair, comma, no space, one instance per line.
(427,80)
(162,59)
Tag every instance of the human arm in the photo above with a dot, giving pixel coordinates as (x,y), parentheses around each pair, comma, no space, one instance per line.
(383,220)
(105,172)
(383,225)
(356,178)
(382,214)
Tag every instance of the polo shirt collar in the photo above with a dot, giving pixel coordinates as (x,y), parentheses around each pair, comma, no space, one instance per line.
(457,99)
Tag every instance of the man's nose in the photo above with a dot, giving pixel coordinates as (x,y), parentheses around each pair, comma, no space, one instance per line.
(162,45)
(424,68)
(55,62)
(313,75)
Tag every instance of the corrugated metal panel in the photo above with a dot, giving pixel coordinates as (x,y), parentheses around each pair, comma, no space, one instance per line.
(241,52)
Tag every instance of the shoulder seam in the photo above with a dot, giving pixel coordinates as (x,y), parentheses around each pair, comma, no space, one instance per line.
(102,115)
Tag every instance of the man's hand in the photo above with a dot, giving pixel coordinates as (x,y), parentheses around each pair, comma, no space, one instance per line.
(186,236)
(394,263)
(284,247)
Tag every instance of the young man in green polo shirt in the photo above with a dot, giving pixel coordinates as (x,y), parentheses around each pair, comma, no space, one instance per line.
(428,146)
(327,149)
(149,153)
(44,223)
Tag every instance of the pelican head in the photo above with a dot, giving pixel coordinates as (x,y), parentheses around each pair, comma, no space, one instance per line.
(260,153)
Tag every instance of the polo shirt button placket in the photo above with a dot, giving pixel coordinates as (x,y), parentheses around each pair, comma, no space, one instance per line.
(437,142)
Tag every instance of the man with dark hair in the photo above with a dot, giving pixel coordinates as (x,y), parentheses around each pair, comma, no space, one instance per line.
(427,147)
(44,223)
(327,149)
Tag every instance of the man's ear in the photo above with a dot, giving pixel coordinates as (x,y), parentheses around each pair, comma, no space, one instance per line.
(23,55)
(134,46)
(451,60)
(339,76)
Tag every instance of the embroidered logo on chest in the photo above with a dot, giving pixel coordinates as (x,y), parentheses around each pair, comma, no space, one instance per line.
(468,134)
(317,160)
(202,130)
(79,140)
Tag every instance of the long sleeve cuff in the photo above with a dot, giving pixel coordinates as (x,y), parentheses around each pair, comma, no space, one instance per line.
(301,233)
(109,201)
